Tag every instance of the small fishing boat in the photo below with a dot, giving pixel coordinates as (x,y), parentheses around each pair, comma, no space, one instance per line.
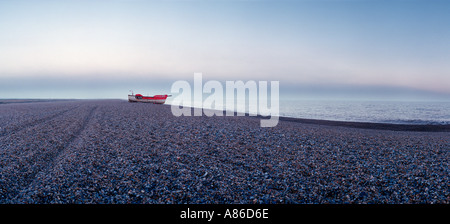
(158,99)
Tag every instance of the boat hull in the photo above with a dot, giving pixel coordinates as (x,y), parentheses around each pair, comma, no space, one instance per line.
(158,99)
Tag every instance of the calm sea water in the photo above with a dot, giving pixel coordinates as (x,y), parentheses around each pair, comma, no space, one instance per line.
(396,112)
(369,111)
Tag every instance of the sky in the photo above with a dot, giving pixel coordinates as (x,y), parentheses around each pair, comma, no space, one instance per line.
(104,48)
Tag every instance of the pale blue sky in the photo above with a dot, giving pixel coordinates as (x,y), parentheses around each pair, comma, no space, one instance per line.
(108,46)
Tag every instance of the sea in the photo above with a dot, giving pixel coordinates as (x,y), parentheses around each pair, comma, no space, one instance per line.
(394,112)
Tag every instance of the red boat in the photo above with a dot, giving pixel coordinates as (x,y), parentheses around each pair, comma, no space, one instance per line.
(158,99)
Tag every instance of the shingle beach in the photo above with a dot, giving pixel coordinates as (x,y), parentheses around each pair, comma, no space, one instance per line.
(112,151)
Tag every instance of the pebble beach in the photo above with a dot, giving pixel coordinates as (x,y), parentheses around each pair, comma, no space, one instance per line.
(112,151)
